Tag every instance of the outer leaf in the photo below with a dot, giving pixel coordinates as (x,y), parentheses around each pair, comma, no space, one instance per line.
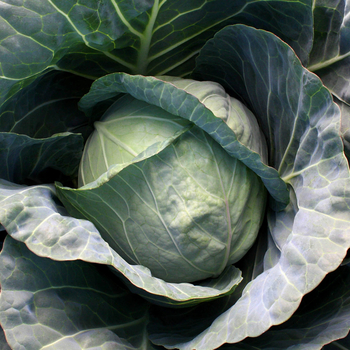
(300,120)
(343,344)
(336,76)
(46,304)
(28,119)
(323,316)
(171,34)
(329,29)
(95,38)
(34,216)
(46,107)
(3,342)
(70,36)
(179,102)
(120,33)
(345,125)
(10,87)
(47,30)
(330,55)
(25,159)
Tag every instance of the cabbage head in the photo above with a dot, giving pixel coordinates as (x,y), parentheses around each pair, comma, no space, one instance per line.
(182,206)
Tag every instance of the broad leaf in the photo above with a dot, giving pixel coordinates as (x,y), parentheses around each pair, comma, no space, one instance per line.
(10,87)
(141,37)
(28,160)
(34,215)
(66,36)
(299,118)
(329,32)
(45,304)
(323,316)
(30,121)
(47,106)
(330,55)
(50,29)
(169,36)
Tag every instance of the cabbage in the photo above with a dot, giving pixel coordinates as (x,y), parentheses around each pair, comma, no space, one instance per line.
(174,200)
(174,174)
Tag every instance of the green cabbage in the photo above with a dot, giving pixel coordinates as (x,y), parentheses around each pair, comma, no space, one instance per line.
(188,210)
(85,263)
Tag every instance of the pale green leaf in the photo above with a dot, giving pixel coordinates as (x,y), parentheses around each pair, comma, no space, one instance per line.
(180,103)
(34,215)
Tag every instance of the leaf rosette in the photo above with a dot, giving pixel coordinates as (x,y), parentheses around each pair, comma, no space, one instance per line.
(306,174)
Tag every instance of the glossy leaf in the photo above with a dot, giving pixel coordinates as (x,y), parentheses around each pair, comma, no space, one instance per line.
(47,30)
(66,36)
(299,118)
(167,39)
(134,36)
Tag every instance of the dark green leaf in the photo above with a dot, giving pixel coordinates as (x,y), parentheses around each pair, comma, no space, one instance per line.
(330,55)
(143,37)
(47,106)
(47,30)
(328,29)
(181,29)
(29,160)
(3,342)
(74,305)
